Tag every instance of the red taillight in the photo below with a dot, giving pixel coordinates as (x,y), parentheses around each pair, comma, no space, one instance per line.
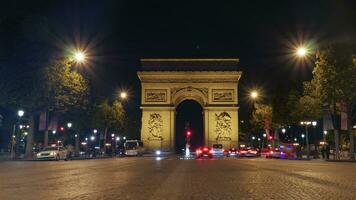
(205,149)
(271,152)
(211,151)
(254,152)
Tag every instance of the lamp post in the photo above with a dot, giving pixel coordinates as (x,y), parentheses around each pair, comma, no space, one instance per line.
(20,113)
(306,124)
(263,140)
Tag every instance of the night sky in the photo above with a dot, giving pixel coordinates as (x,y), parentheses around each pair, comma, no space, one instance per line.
(116,34)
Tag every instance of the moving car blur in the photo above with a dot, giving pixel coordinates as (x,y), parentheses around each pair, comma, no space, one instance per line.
(204,152)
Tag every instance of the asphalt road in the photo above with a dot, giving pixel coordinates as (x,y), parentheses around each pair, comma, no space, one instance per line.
(174,178)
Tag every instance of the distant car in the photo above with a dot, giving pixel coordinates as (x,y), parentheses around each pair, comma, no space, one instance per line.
(52,153)
(232,152)
(204,152)
(274,153)
(218,150)
(248,152)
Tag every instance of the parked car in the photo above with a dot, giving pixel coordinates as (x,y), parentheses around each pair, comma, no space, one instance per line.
(249,152)
(204,152)
(218,150)
(232,152)
(52,153)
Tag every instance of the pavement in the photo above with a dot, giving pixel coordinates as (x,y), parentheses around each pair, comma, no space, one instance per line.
(172,177)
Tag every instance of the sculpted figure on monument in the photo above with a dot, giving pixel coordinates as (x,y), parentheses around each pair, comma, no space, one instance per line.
(155,126)
(223,126)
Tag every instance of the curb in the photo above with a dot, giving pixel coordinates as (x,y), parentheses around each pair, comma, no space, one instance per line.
(349,161)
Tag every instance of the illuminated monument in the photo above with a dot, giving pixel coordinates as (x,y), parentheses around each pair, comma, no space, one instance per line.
(213,83)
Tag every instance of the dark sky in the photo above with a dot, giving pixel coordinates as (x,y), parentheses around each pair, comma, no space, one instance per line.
(117,34)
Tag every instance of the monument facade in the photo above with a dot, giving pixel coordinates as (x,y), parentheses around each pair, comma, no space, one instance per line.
(165,83)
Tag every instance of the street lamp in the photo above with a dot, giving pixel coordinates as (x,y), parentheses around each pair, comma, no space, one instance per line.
(79,56)
(95,131)
(20,113)
(69,125)
(123,95)
(314,123)
(92,138)
(301,52)
(254,94)
(283,130)
(306,124)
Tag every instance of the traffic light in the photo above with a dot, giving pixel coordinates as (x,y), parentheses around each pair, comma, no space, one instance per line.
(270,137)
(61,128)
(188,133)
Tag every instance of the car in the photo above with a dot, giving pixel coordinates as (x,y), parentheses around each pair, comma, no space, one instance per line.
(52,153)
(218,150)
(204,152)
(232,152)
(273,153)
(248,152)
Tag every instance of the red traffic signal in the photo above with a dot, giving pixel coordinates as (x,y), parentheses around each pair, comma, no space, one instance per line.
(61,128)
(270,137)
(189,133)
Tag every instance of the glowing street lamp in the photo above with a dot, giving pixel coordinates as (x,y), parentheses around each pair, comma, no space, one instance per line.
(254,94)
(95,131)
(283,130)
(92,138)
(301,52)
(123,95)
(69,125)
(20,113)
(314,123)
(79,56)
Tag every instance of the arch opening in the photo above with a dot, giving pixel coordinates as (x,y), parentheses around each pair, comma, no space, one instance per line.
(189,115)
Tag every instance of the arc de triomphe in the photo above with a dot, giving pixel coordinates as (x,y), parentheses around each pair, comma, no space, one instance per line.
(165,83)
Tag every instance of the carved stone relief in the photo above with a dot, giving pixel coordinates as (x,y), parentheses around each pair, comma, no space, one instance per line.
(156,95)
(223,126)
(155,127)
(223,95)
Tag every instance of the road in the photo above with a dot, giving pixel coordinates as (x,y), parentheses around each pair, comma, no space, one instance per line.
(175,178)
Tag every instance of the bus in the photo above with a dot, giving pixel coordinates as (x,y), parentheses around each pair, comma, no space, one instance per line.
(133,148)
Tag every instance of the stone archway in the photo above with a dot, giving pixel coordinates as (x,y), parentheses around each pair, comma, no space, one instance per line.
(162,91)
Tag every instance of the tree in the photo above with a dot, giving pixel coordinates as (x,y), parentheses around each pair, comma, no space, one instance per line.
(52,86)
(333,82)
(306,107)
(109,117)
(261,116)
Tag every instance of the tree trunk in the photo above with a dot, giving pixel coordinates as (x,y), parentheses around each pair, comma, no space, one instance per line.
(29,145)
(45,143)
(105,138)
(349,130)
(337,149)
(336,133)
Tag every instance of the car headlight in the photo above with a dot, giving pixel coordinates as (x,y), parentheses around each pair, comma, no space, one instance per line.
(38,154)
(52,153)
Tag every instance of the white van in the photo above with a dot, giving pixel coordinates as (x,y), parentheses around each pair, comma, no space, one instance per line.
(133,148)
